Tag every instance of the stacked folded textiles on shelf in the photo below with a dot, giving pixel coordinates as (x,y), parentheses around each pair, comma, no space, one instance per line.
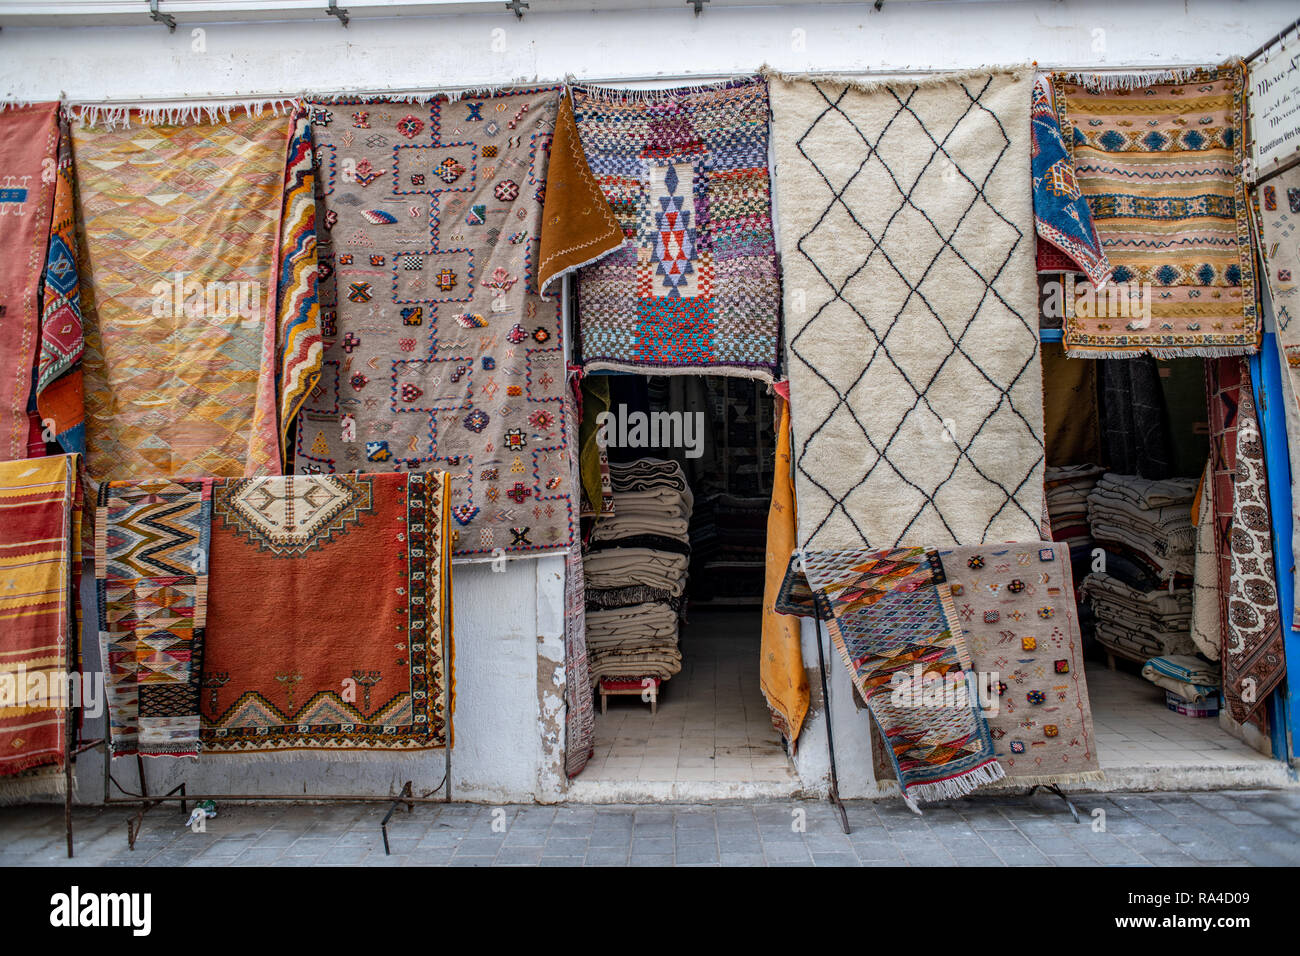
(650,497)
(1142,597)
(636,572)
(1189,677)
(1149,521)
(1139,624)
(1068,488)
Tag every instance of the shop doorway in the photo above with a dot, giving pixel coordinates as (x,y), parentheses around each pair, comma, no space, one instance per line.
(685,599)
(1114,427)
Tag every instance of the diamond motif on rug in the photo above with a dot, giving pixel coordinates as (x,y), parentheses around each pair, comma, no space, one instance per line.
(295,513)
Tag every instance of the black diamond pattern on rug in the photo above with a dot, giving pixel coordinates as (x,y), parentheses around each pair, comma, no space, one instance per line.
(910,222)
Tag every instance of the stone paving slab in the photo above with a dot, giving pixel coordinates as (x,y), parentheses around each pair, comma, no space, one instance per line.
(1233,828)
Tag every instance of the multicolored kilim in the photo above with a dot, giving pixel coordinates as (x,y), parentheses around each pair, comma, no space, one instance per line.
(151,575)
(29,139)
(1020,621)
(176,246)
(345,645)
(40,563)
(60,395)
(1061,214)
(1254,653)
(695,287)
(439,351)
(892,618)
(1159,160)
(298,329)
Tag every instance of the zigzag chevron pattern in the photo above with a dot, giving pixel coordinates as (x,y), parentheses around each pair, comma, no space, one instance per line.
(151,557)
(158,528)
(298,314)
(325,707)
(892,612)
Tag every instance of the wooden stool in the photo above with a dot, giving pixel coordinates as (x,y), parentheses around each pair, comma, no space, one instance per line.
(647,687)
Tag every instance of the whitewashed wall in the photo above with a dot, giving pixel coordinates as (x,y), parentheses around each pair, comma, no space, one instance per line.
(508,626)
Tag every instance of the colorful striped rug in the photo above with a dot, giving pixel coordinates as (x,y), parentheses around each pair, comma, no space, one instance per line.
(893,621)
(40,570)
(1159,158)
(298,319)
(151,576)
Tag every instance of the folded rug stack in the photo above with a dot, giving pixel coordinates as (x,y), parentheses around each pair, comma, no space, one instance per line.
(636,570)
(1138,624)
(1067,490)
(1189,677)
(650,497)
(1151,520)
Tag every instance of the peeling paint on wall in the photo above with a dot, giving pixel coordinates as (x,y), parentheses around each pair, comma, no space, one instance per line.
(551,710)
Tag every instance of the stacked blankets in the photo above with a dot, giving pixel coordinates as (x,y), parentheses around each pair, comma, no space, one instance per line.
(1139,624)
(1189,677)
(1142,598)
(1152,520)
(1068,488)
(636,572)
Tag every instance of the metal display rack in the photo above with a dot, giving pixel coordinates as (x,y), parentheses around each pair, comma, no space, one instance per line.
(145,801)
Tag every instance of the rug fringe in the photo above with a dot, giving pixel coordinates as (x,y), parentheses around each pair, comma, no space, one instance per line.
(24,788)
(1055,779)
(762,375)
(365,97)
(624,95)
(111,116)
(1107,82)
(1177,352)
(954,787)
(1014,71)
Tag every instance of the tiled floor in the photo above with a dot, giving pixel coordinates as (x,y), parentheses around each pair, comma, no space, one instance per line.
(1135,729)
(712,722)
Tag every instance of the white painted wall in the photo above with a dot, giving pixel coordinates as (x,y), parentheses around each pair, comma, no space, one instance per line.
(503,621)
(507,623)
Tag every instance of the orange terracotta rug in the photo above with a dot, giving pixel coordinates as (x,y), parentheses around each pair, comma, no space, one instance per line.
(328,615)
